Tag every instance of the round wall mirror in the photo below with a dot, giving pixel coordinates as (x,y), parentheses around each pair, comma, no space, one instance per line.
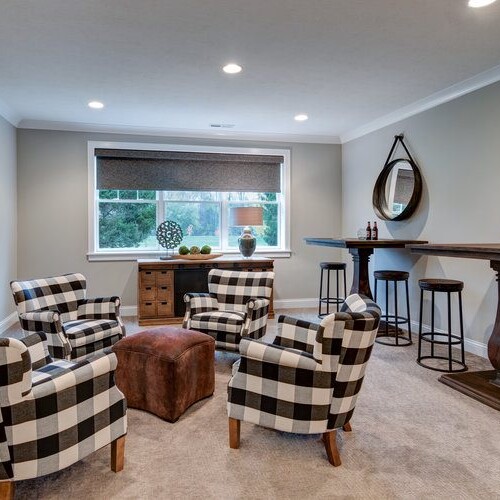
(398,190)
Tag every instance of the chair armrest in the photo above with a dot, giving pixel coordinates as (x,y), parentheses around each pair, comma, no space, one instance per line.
(77,373)
(15,370)
(357,303)
(48,322)
(36,344)
(257,303)
(99,308)
(269,353)
(45,321)
(257,311)
(200,302)
(296,334)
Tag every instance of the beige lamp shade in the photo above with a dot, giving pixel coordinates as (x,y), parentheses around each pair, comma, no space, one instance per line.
(246,216)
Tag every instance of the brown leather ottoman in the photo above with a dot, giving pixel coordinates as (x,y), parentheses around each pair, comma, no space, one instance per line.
(165,370)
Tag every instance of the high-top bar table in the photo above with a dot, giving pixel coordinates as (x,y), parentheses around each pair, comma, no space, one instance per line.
(361,251)
(481,385)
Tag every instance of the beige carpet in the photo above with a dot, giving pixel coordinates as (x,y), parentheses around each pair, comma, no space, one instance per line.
(413,437)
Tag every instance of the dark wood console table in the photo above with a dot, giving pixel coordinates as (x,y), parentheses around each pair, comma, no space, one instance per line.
(481,385)
(361,251)
(163,283)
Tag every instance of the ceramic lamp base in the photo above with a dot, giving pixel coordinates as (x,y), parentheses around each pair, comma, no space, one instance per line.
(247,243)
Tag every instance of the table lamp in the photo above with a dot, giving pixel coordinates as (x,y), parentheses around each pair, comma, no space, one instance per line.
(246,217)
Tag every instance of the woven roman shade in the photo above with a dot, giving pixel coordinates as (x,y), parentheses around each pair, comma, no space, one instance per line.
(186,171)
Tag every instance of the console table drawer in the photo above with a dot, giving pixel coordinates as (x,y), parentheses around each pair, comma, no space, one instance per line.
(147,309)
(148,292)
(148,277)
(165,292)
(165,308)
(164,277)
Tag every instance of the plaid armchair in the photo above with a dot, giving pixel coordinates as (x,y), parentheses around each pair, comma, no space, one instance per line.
(55,413)
(307,381)
(236,306)
(76,327)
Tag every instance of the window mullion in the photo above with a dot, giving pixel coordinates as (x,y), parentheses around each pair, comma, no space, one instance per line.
(224,223)
(160,210)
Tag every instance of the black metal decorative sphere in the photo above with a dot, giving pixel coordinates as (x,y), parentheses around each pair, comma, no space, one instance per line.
(169,234)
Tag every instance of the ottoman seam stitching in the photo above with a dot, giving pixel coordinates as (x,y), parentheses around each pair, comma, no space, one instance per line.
(162,357)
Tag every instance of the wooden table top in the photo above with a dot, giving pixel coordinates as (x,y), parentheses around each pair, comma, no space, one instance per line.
(357,243)
(223,259)
(488,251)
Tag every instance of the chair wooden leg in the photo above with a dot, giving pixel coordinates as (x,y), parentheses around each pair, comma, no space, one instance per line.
(330,440)
(117,454)
(7,490)
(234,433)
(347,427)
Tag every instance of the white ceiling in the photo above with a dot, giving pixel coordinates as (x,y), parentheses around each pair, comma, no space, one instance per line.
(156,64)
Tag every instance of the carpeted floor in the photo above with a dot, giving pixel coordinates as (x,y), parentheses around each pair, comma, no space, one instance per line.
(413,437)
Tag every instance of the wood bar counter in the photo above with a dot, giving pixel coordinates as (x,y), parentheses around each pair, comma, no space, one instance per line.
(163,283)
(360,251)
(481,385)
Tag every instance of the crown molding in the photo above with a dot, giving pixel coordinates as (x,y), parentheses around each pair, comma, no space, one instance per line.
(448,94)
(9,114)
(169,132)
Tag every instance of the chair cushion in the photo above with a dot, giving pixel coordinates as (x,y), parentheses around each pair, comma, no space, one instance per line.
(84,331)
(224,321)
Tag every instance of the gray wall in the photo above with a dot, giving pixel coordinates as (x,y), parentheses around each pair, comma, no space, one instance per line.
(53,200)
(457,146)
(8,216)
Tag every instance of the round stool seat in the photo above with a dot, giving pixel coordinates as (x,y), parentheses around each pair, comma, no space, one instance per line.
(391,275)
(441,285)
(337,267)
(333,266)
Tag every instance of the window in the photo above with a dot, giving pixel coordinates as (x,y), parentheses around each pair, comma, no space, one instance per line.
(123,222)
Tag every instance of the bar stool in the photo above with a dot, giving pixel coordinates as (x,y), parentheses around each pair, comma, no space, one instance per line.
(449,287)
(331,266)
(393,320)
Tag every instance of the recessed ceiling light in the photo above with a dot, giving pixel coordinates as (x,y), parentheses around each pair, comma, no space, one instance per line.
(95,105)
(301,118)
(222,125)
(480,3)
(232,68)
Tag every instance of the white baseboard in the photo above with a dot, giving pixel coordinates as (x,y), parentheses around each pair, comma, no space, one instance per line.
(6,323)
(471,346)
(295,303)
(278,304)
(128,310)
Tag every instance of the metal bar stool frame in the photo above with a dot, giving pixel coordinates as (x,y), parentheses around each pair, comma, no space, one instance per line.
(339,266)
(452,339)
(394,320)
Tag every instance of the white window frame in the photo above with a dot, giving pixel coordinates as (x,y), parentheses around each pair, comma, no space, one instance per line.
(94,254)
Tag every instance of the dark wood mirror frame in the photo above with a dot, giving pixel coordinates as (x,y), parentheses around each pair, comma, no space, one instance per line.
(379,199)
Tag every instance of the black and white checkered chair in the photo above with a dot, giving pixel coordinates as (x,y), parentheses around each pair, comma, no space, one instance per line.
(55,413)
(237,306)
(307,381)
(76,327)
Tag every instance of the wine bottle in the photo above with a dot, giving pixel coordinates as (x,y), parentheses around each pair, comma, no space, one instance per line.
(368,231)
(375,231)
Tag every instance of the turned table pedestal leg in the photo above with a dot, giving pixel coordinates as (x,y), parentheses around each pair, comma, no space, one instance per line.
(361,276)
(483,385)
